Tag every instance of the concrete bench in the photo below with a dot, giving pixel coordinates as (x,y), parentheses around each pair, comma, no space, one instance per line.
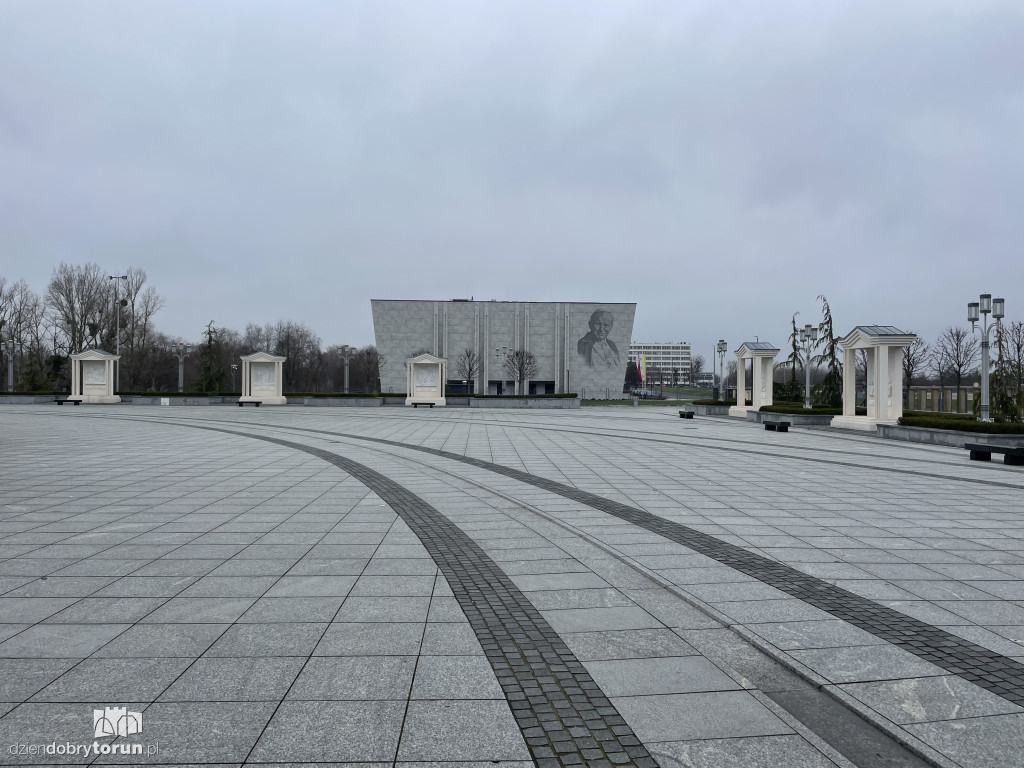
(65,400)
(777,426)
(417,405)
(686,414)
(1013,455)
(249,402)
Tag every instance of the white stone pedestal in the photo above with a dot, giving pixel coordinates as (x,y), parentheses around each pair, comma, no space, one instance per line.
(763,356)
(425,380)
(884,346)
(262,379)
(92,377)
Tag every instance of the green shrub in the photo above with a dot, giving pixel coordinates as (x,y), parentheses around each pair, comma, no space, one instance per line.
(795,408)
(961,425)
(527,397)
(937,415)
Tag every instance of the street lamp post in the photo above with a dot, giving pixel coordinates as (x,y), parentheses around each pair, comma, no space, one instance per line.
(721,350)
(346,355)
(808,335)
(996,307)
(12,348)
(234,367)
(117,315)
(181,351)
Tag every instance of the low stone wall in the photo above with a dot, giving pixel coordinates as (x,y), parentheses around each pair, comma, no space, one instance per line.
(28,399)
(525,402)
(707,410)
(795,419)
(187,400)
(343,402)
(950,437)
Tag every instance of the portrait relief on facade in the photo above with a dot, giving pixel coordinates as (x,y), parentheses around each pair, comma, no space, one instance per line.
(426,376)
(595,348)
(263,375)
(94,372)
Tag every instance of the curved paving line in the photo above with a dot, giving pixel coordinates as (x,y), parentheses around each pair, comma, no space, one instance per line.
(565,717)
(985,668)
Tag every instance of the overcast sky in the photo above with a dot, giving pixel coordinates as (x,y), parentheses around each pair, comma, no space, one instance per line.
(720,164)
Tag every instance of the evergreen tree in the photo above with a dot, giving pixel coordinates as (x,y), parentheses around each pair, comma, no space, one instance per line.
(211,373)
(830,391)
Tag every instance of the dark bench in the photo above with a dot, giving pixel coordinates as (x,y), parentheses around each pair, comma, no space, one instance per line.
(777,426)
(983,452)
(248,402)
(686,414)
(417,405)
(65,400)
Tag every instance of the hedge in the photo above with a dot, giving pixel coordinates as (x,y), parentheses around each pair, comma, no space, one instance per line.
(560,395)
(718,402)
(961,425)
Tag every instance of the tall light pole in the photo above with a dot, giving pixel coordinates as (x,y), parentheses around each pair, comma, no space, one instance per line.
(234,367)
(808,335)
(996,307)
(721,348)
(12,348)
(180,351)
(346,355)
(117,315)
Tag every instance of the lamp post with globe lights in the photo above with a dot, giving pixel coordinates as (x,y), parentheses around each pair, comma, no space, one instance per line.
(721,349)
(180,351)
(985,306)
(808,335)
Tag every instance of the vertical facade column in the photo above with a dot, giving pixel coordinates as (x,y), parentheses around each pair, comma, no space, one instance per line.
(756,372)
(741,381)
(74,377)
(849,382)
(555,373)
(882,382)
(896,375)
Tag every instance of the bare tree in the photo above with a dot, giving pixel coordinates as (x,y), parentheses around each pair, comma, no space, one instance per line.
(141,303)
(77,297)
(521,366)
(696,368)
(955,353)
(915,360)
(366,367)
(1014,341)
(467,366)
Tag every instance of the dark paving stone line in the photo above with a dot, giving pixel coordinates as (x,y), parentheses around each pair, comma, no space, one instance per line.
(564,716)
(985,668)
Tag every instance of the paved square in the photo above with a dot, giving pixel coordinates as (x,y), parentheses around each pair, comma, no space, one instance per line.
(469,587)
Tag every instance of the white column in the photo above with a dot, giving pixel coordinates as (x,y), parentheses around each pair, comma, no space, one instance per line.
(849,382)
(756,372)
(279,377)
(768,379)
(74,377)
(882,382)
(741,381)
(896,377)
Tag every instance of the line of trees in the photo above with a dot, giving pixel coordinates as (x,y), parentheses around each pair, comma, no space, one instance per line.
(83,307)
